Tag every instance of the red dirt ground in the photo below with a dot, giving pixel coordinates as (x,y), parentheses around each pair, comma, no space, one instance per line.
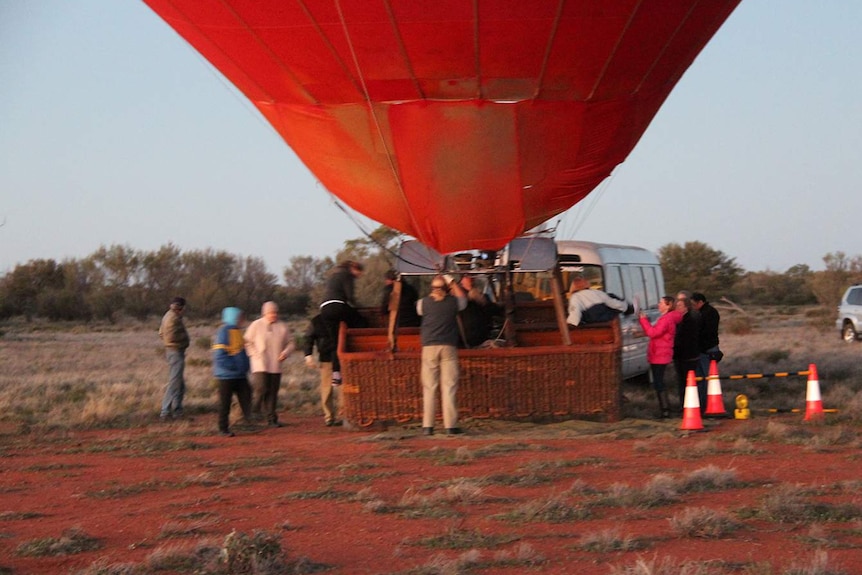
(132,488)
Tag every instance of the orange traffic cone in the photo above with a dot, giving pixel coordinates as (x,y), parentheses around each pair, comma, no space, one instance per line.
(714,400)
(813,403)
(691,420)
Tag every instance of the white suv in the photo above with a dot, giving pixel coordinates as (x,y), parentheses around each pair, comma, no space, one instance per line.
(850,314)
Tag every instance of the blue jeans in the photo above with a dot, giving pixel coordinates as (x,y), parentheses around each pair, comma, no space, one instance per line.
(172,402)
(703,362)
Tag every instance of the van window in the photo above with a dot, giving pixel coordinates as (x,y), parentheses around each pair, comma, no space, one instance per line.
(614,282)
(652,288)
(641,275)
(591,273)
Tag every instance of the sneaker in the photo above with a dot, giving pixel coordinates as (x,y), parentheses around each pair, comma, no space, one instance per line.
(276,424)
(454,431)
(334,423)
(427,431)
(336,378)
(227,433)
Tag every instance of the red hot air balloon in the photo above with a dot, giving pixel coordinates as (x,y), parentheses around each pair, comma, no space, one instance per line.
(460,123)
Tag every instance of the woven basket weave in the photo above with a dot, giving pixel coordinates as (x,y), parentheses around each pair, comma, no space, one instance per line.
(529,382)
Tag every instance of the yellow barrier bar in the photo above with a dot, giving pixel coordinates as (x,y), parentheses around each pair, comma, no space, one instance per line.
(759,375)
(797,410)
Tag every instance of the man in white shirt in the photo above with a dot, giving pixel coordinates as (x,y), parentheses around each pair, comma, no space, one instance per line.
(268,342)
(591,306)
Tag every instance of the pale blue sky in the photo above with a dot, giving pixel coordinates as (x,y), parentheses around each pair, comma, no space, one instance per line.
(114,131)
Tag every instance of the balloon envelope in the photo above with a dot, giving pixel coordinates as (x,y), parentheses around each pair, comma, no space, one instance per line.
(460,123)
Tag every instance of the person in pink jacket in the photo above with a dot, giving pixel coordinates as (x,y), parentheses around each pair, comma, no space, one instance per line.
(268,342)
(660,350)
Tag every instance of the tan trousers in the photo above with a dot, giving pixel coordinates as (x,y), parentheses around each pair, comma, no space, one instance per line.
(327,394)
(439,369)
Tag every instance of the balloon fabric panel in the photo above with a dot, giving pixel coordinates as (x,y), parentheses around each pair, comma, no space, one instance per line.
(460,123)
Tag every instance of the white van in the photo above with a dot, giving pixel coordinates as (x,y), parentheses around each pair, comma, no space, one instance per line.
(629,272)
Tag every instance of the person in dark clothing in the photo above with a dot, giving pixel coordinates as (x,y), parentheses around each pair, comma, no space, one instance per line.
(317,334)
(477,318)
(685,351)
(707,341)
(339,306)
(407,316)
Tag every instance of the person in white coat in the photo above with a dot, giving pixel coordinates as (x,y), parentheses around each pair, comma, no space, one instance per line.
(592,306)
(268,342)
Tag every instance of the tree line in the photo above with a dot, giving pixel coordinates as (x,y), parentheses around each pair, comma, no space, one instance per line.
(698,267)
(119,281)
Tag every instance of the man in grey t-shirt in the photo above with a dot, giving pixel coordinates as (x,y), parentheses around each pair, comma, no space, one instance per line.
(439,336)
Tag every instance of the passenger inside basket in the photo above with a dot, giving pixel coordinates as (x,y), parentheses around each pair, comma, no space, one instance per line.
(593,306)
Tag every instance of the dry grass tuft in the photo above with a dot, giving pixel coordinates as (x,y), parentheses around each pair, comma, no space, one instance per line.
(660,490)
(794,504)
(553,509)
(703,522)
(743,446)
(455,538)
(709,478)
(608,541)
(174,529)
(819,565)
(72,541)
(665,566)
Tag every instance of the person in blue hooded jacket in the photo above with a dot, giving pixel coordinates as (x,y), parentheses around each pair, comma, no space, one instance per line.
(230,368)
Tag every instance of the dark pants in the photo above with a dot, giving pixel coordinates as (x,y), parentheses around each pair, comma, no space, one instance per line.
(266,386)
(657,370)
(332,315)
(226,389)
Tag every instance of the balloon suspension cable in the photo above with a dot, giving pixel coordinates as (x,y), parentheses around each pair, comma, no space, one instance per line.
(389,154)
(594,197)
(375,241)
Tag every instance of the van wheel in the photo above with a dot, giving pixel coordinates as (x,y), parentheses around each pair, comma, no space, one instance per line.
(848,334)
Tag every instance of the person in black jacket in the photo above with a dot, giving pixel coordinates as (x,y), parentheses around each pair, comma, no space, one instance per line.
(707,341)
(407,316)
(338,306)
(685,349)
(477,319)
(317,334)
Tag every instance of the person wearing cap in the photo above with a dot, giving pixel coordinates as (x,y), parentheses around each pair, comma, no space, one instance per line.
(407,316)
(339,306)
(175,338)
(230,368)
(268,342)
(439,338)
